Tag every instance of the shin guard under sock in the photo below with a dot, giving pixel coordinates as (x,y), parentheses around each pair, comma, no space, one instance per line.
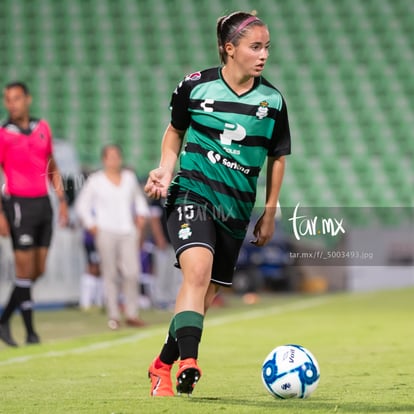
(188,328)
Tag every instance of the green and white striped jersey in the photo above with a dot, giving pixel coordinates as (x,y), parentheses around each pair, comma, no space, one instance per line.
(228,139)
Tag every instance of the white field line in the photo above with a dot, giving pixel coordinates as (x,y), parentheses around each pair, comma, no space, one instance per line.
(218,321)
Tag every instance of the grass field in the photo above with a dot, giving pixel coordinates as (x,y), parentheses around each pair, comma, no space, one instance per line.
(364,344)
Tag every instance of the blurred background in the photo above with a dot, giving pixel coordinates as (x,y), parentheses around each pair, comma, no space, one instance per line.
(103,71)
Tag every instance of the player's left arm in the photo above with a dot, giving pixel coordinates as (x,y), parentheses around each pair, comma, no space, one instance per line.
(265,226)
(57,183)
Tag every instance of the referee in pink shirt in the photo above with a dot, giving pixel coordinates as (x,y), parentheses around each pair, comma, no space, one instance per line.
(26,158)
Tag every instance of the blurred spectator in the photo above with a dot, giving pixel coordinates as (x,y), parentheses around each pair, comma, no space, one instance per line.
(91,286)
(167,277)
(112,207)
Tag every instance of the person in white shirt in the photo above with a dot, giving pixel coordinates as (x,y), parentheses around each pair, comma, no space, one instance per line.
(112,207)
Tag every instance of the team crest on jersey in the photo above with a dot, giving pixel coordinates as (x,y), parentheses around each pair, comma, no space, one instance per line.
(185,232)
(262,110)
(193,76)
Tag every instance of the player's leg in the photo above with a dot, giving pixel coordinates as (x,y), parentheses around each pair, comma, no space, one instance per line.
(28,266)
(40,256)
(20,297)
(12,304)
(20,218)
(38,214)
(186,327)
(196,264)
(212,291)
(197,236)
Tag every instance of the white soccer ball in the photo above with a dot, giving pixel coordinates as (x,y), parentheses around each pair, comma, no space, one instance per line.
(290,371)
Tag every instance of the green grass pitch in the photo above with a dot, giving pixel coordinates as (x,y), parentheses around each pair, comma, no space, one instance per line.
(363,342)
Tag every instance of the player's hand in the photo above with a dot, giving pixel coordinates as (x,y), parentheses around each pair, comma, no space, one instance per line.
(4,225)
(263,230)
(158,183)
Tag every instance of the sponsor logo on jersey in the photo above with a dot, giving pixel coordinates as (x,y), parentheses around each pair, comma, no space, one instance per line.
(233,165)
(262,110)
(193,76)
(207,105)
(232,132)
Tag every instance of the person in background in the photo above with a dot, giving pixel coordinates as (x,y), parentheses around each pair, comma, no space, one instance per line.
(113,208)
(91,286)
(167,279)
(234,120)
(26,158)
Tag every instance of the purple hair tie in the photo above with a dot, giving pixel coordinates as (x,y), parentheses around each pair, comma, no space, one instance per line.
(243,24)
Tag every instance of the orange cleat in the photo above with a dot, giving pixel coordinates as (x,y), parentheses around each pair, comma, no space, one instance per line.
(188,375)
(160,376)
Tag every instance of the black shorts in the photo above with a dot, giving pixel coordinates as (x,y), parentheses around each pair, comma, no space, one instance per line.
(190,225)
(30,221)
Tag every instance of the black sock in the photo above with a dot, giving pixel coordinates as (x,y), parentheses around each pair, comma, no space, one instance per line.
(188,329)
(24,299)
(170,352)
(10,307)
(26,309)
(188,339)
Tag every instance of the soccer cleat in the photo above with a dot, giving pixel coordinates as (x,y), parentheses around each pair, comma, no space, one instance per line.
(160,376)
(188,375)
(5,335)
(32,338)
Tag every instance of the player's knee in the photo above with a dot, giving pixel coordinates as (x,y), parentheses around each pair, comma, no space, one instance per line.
(197,277)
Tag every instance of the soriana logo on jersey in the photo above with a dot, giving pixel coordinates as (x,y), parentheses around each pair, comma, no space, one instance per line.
(214,158)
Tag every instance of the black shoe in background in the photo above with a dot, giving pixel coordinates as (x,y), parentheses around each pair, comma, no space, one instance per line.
(32,338)
(5,335)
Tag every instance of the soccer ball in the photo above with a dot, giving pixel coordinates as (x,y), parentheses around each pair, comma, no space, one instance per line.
(290,371)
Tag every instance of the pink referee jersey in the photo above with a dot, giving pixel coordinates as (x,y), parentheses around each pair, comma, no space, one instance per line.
(24,157)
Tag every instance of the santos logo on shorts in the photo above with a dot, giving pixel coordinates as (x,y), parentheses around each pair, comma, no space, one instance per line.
(217,158)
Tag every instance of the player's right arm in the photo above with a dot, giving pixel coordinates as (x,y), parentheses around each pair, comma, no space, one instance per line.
(160,178)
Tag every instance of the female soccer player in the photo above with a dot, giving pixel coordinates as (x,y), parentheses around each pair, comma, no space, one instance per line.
(233,119)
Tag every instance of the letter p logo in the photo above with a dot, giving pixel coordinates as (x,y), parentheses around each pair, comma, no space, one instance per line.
(232,132)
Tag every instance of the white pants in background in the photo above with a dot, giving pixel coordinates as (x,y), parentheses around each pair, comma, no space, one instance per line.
(120,271)
(167,279)
(91,291)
